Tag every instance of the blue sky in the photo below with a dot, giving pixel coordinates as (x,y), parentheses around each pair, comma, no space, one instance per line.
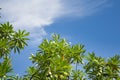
(96,24)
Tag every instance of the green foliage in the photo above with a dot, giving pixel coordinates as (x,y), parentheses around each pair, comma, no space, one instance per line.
(78,75)
(10,40)
(98,68)
(54,58)
(94,67)
(5,67)
(113,67)
(19,40)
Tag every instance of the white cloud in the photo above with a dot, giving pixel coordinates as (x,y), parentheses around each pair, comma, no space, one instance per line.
(81,8)
(31,13)
(34,15)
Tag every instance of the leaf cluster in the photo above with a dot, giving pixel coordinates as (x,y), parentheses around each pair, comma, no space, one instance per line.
(98,68)
(10,41)
(54,58)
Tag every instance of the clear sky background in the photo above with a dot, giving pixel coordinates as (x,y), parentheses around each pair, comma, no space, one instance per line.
(96,24)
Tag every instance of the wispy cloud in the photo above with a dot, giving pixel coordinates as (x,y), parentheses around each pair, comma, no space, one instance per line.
(34,15)
(82,8)
(30,13)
